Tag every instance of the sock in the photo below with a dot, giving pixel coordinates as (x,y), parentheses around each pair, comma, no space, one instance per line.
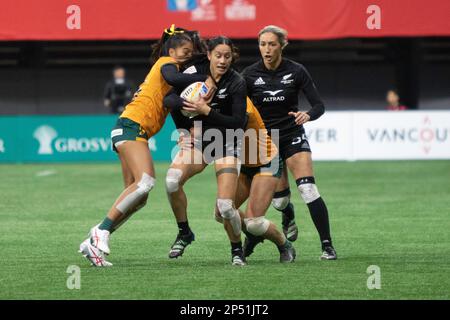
(106,224)
(326,243)
(289,214)
(236,246)
(183,228)
(286,245)
(319,215)
(251,237)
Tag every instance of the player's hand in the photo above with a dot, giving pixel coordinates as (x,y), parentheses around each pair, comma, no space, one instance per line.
(200,106)
(300,117)
(211,89)
(185,141)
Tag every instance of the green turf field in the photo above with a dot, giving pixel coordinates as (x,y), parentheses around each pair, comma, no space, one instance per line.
(395,215)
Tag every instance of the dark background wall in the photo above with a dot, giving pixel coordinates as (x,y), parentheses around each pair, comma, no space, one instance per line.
(351,74)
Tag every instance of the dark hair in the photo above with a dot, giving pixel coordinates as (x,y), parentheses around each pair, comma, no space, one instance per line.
(171,38)
(198,43)
(118,67)
(393,91)
(214,42)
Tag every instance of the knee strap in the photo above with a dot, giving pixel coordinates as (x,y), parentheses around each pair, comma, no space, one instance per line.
(134,199)
(173,178)
(228,212)
(308,189)
(257,226)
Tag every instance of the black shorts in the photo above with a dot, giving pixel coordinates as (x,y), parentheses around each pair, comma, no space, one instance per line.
(212,152)
(293,143)
(271,169)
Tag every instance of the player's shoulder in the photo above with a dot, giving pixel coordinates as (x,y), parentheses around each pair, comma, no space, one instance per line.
(163,61)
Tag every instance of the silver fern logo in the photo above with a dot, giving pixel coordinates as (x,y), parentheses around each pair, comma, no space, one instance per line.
(45,135)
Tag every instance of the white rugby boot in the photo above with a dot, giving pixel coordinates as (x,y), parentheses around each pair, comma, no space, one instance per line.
(94,255)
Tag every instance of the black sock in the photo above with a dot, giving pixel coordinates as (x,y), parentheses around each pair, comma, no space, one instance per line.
(319,215)
(289,214)
(183,228)
(236,246)
(286,245)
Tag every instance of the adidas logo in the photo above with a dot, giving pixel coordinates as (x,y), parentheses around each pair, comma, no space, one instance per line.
(259,81)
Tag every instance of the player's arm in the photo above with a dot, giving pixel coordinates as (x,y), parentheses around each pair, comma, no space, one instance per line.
(312,95)
(172,101)
(238,107)
(180,80)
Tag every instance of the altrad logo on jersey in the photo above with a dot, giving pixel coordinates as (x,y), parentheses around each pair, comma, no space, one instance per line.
(273,96)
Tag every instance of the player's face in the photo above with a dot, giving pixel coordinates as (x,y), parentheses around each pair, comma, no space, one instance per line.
(119,73)
(392,98)
(220,59)
(182,53)
(269,47)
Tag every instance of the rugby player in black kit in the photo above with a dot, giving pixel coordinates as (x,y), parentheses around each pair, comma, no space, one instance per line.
(273,84)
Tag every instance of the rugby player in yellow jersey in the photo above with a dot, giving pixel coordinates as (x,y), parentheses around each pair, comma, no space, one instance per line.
(141,119)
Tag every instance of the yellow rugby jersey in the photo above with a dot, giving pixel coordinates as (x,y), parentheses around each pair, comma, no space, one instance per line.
(147,108)
(258,148)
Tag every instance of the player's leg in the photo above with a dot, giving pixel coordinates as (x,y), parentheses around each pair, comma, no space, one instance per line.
(186,164)
(262,189)
(227,171)
(301,166)
(128,180)
(282,202)
(138,159)
(135,158)
(242,193)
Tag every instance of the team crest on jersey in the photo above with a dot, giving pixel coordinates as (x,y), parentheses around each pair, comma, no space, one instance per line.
(259,82)
(221,94)
(287,79)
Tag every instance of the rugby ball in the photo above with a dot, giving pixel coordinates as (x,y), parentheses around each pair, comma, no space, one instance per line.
(192,93)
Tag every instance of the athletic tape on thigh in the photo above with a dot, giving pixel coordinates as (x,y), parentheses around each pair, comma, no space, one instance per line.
(283,193)
(227,170)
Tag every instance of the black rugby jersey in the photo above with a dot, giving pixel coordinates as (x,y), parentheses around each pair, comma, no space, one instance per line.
(275,93)
(228,105)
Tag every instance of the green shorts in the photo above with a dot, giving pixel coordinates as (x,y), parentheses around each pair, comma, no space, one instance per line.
(127,130)
(271,169)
